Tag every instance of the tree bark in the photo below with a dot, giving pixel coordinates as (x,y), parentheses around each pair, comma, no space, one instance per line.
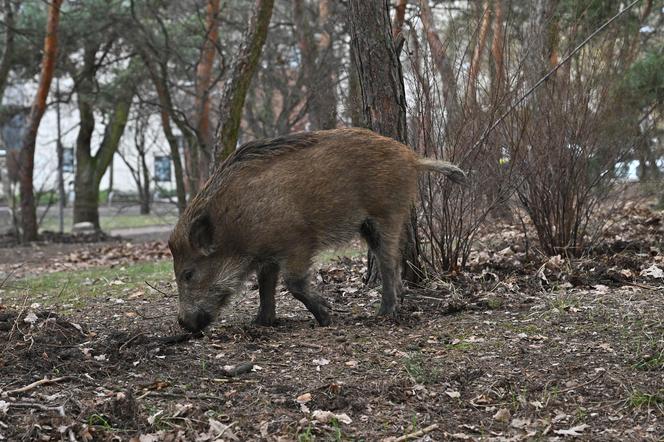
(444,68)
(237,84)
(27,154)
(8,54)
(203,80)
(175,157)
(383,98)
(399,18)
(91,168)
(498,80)
(317,64)
(474,70)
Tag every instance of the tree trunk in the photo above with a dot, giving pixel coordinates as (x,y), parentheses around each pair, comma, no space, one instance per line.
(237,84)
(27,155)
(90,169)
(322,97)
(202,99)
(498,79)
(177,163)
(474,70)
(7,55)
(383,98)
(146,198)
(399,18)
(445,69)
(354,92)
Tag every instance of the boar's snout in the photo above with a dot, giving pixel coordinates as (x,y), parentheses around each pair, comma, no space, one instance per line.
(194,321)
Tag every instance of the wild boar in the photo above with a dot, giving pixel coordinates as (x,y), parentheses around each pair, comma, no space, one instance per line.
(273,204)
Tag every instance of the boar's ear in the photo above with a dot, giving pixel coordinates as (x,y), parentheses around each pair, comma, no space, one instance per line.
(201,234)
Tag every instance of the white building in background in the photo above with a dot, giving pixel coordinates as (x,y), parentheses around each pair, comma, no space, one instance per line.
(46,161)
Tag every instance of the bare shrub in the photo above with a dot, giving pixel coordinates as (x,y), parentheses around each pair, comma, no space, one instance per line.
(568,144)
(450,216)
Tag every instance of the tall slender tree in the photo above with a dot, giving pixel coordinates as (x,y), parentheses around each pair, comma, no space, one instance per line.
(27,155)
(383,97)
(203,85)
(239,80)
(9,44)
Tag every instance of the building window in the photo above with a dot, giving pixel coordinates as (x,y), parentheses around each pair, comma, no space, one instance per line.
(68,160)
(162,168)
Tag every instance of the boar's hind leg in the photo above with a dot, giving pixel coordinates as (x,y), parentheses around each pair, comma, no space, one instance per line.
(385,246)
(268,275)
(298,285)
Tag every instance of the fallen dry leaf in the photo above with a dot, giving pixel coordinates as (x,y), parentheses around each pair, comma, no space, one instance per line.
(502,415)
(573,432)
(325,417)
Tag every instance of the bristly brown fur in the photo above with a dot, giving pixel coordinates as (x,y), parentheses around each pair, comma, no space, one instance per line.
(273,204)
(263,149)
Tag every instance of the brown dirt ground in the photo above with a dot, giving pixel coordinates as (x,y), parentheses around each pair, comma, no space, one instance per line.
(514,349)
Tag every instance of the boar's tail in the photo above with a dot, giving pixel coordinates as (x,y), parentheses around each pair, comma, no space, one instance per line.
(451,171)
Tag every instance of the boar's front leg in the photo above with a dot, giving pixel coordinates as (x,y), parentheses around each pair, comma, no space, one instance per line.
(298,285)
(268,275)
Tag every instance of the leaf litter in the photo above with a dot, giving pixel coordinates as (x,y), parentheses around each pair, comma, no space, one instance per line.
(538,348)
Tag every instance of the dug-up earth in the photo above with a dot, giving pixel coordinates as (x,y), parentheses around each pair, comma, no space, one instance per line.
(518,347)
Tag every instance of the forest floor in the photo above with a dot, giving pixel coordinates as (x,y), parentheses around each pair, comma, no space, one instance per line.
(516,348)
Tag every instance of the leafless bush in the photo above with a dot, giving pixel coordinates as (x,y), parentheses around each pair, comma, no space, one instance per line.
(449,215)
(567,145)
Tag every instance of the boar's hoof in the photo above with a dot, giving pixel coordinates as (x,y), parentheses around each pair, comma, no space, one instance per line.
(323,317)
(265,321)
(390,311)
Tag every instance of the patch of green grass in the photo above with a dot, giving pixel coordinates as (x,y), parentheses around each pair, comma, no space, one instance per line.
(640,399)
(306,436)
(99,420)
(421,369)
(563,302)
(494,303)
(461,345)
(73,287)
(651,362)
(336,431)
(119,221)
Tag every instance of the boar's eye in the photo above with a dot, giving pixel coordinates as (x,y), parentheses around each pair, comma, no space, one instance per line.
(187,275)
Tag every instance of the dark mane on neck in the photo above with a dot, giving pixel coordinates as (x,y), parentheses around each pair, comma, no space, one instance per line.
(271,147)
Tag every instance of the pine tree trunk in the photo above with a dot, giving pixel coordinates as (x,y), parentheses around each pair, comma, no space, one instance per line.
(383,99)
(202,99)
(27,154)
(237,84)
(9,43)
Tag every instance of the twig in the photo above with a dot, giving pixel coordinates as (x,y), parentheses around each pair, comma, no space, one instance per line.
(180,395)
(416,434)
(60,409)
(6,278)
(550,73)
(130,341)
(576,387)
(35,384)
(166,295)
(641,286)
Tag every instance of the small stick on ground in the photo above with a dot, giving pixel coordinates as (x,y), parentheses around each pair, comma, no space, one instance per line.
(576,387)
(416,434)
(130,341)
(166,295)
(60,409)
(35,384)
